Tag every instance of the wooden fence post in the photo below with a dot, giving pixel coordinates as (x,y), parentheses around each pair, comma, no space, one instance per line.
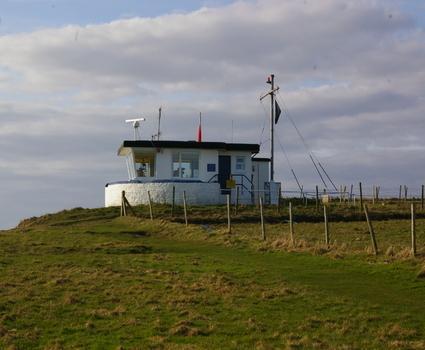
(326,225)
(150,205)
(371,231)
(373,194)
(291,224)
(399,194)
(173,201)
(229,227)
(422,197)
(317,197)
(123,211)
(413,229)
(263,229)
(125,204)
(351,192)
(185,208)
(361,195)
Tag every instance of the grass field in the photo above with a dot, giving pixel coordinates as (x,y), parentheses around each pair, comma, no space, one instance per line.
(84,278)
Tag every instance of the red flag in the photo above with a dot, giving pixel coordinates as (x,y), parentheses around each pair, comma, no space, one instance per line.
(199,133)
(200,129)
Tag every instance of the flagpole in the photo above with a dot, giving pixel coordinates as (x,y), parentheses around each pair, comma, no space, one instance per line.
(272,130)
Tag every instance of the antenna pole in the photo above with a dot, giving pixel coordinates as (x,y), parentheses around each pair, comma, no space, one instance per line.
(272,95)
(159,122)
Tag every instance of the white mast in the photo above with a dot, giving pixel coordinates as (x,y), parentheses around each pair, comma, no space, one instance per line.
(270,80)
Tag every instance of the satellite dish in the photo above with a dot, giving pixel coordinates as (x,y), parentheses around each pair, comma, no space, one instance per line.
(136,125)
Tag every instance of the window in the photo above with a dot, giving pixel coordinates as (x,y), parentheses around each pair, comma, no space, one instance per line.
(145,165)
(211,168)
(240,163)
(185,165)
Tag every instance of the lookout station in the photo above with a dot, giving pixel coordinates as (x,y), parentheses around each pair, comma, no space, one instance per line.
(206,171)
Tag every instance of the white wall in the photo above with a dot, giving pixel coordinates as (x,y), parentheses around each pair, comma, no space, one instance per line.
(163,164)
(207,156)
(261,175)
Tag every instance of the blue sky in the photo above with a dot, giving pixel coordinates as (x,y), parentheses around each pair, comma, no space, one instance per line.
(26,15)
(351,72)
(416,8)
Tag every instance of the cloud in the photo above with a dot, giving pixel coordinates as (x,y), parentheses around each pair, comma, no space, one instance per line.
(213,47)
(351,74)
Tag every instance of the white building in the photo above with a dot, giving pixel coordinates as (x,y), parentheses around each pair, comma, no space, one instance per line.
(207,171)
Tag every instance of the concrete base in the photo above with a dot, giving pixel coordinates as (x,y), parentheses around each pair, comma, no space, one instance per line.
(197,193)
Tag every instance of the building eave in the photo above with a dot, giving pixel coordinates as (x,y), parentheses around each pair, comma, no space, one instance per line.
(247,147)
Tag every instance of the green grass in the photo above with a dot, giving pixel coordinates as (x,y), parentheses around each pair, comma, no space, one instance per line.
(89,279)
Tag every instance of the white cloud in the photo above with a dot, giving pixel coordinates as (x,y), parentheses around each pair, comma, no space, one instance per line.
(215,48)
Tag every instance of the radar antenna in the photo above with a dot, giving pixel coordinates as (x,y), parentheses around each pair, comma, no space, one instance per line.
(136,125)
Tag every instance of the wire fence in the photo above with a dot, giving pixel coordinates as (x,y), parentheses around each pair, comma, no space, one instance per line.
(340,219)
(350,192)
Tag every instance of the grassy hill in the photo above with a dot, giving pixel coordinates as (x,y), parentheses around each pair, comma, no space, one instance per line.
(87,278)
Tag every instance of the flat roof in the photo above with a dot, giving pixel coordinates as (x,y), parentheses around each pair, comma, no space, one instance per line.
(249,147)
(254,159)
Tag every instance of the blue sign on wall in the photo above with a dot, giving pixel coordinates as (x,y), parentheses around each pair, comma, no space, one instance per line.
(211,167)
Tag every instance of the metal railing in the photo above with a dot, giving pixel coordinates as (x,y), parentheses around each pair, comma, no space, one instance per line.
(243,179)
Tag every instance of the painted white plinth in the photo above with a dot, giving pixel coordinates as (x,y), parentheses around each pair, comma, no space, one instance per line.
(137,193)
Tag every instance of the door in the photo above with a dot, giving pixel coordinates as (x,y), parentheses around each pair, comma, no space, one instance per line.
(224,171)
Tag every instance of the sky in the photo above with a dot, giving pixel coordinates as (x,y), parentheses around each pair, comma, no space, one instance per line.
(350,72)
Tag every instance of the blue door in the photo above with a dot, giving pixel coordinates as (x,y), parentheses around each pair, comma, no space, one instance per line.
(224,171)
